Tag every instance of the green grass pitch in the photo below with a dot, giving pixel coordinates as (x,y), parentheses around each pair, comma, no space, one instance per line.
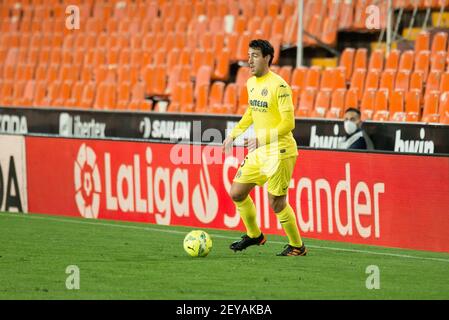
(119,260)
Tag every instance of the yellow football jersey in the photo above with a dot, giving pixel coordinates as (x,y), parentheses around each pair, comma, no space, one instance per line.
(271,110)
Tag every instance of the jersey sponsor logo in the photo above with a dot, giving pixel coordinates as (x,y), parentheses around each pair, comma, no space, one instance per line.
(285,95)
(258,103)
(282,86)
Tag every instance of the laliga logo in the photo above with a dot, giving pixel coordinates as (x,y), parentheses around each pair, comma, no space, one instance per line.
(204,197)
(87,183)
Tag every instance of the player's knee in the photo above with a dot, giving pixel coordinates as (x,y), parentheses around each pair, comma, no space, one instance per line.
(277,203)
(237,195)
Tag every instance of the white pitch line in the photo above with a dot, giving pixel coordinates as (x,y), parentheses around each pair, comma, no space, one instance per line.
(397,255)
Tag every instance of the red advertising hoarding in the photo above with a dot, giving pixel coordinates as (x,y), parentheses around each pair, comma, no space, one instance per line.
(378,199)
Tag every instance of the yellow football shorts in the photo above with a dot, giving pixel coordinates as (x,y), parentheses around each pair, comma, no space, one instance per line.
(258,168)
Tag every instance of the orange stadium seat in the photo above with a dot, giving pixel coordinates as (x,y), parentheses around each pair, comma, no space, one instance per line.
(439,42)
(352,99)
(406,61)
(376,60)
(412,105)
(430,110)
(444,108)
(392,61)
(387,80)
(322,103)
(422,62)
(337,105)
(381,112)
(230,99)
(422,41)
(306,102)
(347,61)
(313,78)
(368,104)
(433,82)
(438,61)
(402,80)
(216,94)
(444,85)
(360,60)
(358,81)
(372,79)
(396,106)
(299,77)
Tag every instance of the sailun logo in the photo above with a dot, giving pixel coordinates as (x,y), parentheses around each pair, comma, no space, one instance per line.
(204,197)
(87,183)
(414,146)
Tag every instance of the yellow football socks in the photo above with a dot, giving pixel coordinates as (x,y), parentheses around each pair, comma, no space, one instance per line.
(287,219)
(247,212)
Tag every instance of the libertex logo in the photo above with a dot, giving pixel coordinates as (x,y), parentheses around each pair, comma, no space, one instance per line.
(87,182)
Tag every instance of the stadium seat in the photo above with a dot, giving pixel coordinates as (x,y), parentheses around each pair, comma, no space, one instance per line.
(347,61)
(299,77)
(358,81)
(396,106)
(137,100)
(352,99)
(368,103)
(313,78)
(230,99)
(105,97)
(372,79)
(322,103)
(416,81)
(402,80)
(40,93)
(337,105)
(201,97)
(306,102)
(422,41)
(216,94)
(376,60)
(406,60)
(444,108)
(221,71)
(381,112)
(430,110)
(360,60)
(439,42)
(422,63)
(387,80)
(242,98)
(412,105)
(76,94)
(433,82)
(444,85)
(438,61)
(123,95)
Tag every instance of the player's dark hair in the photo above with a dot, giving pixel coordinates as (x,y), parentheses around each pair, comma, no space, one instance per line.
(354,110)
(265,47)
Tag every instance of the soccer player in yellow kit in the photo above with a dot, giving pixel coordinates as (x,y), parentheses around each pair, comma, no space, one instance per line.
(272,154)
